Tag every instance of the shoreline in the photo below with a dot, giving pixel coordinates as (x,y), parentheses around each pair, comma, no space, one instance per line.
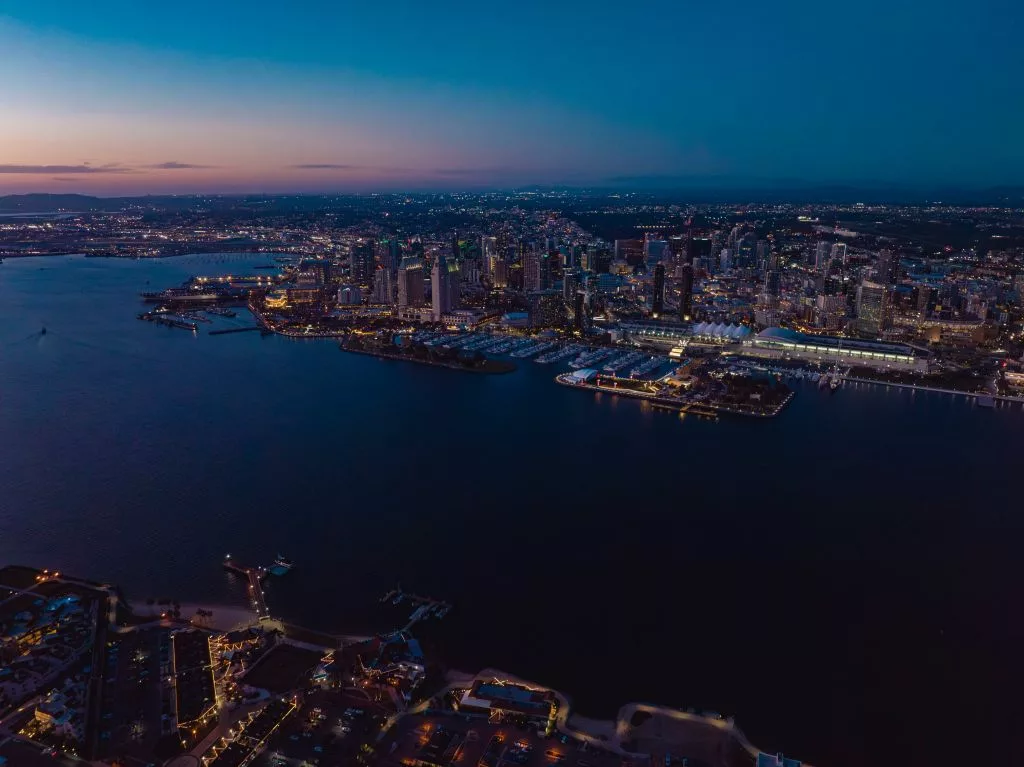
(675,405)
(433,363)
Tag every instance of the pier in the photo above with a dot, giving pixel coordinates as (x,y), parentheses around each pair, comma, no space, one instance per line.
(169,321)
(255,576)
(426,607)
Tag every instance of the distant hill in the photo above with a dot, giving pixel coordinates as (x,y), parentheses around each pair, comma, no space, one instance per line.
(51,203)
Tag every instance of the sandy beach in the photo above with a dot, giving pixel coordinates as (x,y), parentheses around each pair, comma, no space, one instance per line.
(224,618)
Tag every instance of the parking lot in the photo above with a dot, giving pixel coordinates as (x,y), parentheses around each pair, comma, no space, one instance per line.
(136,708)
(283,668)
(450,739)
(329,731)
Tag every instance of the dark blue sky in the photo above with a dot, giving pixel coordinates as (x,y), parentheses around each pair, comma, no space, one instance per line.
(418,94)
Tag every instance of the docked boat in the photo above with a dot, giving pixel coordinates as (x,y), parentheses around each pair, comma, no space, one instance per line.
(280,566)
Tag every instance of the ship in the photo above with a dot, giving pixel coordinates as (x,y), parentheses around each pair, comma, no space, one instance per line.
(280,566)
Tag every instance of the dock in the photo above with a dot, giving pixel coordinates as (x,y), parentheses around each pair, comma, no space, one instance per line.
(255,576)
(425,607)
(169,321)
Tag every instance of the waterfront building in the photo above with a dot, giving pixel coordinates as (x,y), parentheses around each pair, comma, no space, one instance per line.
(498,698)
(873,307)
(784,343)
(410,282)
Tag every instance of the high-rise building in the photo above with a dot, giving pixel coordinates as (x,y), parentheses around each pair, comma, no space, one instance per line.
(655,251)
(686,282)
(410,282)
(838,255)
(762,254)
(488,253)
(925,299)
(349,295)
(746,252)
(383,287)
(580,311)
(772,279)
(658,300)
(821,256)
(630,251)
(444,286)
(547,269)
(361,263)
(395,245)
(887,267)
(499,276)
(531,271)
(570,284)
(326,272)
(873,302)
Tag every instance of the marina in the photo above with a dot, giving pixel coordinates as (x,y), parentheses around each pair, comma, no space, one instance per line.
(423,607)
(169,320)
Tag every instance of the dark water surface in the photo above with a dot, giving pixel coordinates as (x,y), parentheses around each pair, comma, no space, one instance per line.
(845,579)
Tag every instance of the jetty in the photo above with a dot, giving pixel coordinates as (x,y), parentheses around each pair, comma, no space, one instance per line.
(255,576)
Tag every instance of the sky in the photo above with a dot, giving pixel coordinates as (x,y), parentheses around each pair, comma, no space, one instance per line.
(128,97)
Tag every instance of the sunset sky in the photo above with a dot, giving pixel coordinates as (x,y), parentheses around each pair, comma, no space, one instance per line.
(119,97)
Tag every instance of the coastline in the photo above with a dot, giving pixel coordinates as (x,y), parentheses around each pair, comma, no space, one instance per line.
(225,617)
(490,367)
(671,404)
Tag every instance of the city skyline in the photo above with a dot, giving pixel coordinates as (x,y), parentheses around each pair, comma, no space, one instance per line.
(321,99)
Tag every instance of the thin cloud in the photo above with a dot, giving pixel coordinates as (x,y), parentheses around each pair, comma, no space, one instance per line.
(325,166)
(467,171)
(65,169)
(172,165)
